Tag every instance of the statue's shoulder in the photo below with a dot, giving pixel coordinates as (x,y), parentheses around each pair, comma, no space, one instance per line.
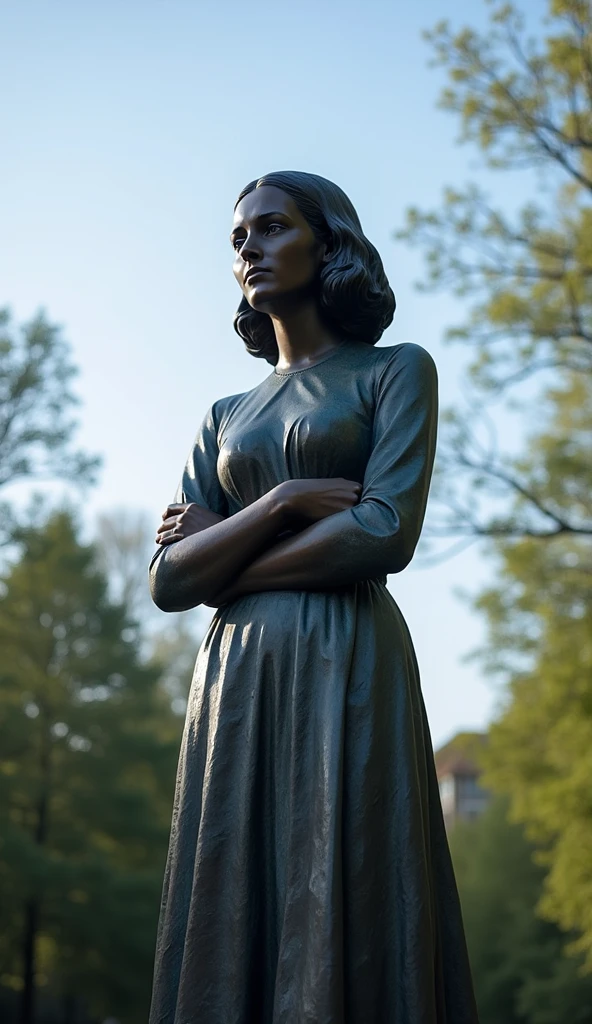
(406,353)
(226,404)
(408,357)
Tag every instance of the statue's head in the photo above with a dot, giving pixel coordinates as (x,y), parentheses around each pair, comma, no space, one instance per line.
(304,234)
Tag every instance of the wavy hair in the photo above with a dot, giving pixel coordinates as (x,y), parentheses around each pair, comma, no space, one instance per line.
(354,295)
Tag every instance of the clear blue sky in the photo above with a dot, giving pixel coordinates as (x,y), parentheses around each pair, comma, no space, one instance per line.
(128,129)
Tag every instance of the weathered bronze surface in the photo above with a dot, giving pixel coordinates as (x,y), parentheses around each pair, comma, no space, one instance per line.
(309,879)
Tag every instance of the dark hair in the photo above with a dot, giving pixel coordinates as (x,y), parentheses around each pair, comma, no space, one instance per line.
(354,295)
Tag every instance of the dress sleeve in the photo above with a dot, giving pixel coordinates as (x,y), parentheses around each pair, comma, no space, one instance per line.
(389,518)
(379,535)
(199,482)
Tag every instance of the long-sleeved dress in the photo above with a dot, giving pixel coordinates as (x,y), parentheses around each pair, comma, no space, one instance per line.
(308,878)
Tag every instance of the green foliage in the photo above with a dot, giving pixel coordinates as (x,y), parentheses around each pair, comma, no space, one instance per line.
(36,428)
(527,276)
(540,750)
(520,970)
(519,102)
(531,277)
(125,544)
(88,755)
(35,398)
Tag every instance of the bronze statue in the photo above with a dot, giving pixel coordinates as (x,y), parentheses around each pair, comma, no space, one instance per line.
(308,879)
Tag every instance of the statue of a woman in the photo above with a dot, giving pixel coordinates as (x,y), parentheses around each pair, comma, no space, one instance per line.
(308,879)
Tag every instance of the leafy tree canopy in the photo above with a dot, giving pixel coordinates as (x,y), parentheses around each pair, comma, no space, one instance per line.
(520,970)
(36,401)
(526,104)
(88,756)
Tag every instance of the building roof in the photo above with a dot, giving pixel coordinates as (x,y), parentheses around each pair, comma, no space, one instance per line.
(461,755)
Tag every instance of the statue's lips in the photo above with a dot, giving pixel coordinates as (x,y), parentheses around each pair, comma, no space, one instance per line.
(254,273)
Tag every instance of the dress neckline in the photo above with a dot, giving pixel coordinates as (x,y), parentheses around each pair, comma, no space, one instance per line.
(311,366)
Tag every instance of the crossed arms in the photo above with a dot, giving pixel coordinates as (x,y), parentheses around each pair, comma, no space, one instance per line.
(344,532)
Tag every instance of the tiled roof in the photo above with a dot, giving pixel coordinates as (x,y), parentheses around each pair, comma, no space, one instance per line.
(460,756)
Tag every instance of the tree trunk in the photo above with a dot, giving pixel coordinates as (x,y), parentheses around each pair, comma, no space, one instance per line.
(33,905)
(70,1009)
(27,1008)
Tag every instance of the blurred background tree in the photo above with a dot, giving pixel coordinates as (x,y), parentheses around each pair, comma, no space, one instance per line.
(36,398)
(92,689)
(125,545)
(89,748)
(526,104)
(520,970)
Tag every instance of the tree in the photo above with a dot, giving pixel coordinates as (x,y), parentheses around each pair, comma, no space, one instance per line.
(125,543)
(520,970)
(89,748)
(36,429)
(527,105)
(540,750)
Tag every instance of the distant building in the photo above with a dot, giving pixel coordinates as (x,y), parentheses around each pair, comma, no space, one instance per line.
(458,770)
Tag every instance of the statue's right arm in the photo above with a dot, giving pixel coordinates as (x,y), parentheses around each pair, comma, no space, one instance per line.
(190,571)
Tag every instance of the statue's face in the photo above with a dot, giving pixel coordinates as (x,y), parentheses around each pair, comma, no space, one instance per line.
(271,236)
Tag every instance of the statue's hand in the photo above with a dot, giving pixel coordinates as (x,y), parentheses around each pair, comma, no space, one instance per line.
(179,521)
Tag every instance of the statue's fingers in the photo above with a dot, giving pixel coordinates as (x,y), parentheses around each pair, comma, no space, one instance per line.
(174,509)
(168,524)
